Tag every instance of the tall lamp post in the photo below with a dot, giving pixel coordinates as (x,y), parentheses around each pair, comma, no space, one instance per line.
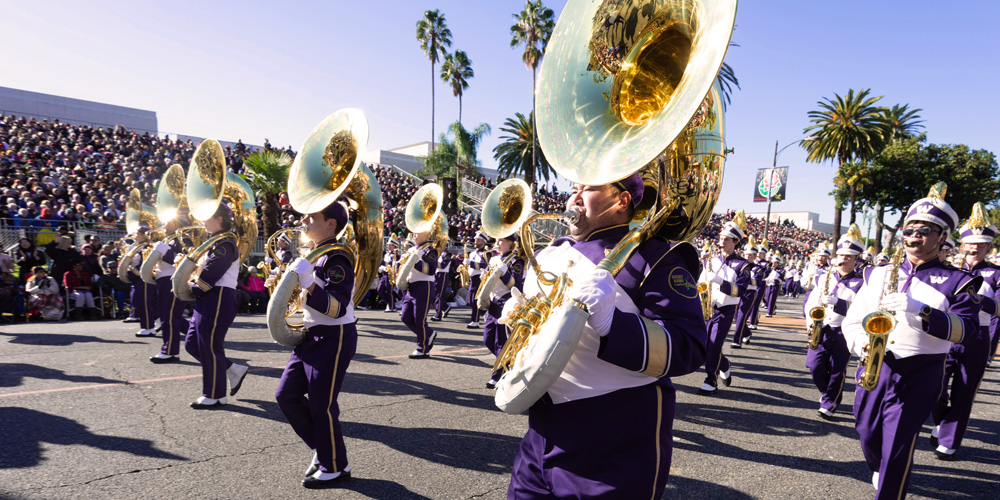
(770,184)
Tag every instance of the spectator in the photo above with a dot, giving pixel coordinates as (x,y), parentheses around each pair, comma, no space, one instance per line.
(110,283)
(91,264)
(43,295)
(28,256)
(9,292)
(254,286)
(63,255)
(79,284)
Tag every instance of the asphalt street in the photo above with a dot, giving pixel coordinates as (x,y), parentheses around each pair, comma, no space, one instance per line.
(84,414)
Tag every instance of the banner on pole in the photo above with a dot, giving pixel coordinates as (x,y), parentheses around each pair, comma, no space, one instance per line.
(773,186)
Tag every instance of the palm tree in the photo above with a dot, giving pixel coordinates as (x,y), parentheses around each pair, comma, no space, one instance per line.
(433,35)
(267,174)
(900,121)
(844,129)
(515,154)
(532,27)
(854,175)
(455,155)
(456,70)
(727,79)
(467,143)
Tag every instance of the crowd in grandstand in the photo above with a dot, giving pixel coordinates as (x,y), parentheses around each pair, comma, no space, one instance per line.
(56,177)
(791,241)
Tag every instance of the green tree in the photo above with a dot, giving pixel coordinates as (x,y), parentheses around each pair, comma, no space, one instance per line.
(532,28)
(844,129)
(458,154)
(433,35)
(901,121)
(971,175)
(456,70)
(267,174)
(514,154)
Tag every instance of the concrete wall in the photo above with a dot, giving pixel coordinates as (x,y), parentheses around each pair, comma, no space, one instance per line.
(76,111)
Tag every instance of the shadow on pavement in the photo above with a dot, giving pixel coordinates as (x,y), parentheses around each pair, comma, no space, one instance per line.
(378,488)
(379,385)
(679,488)
(25,430)
(458,448)
(13,375)
(60,339)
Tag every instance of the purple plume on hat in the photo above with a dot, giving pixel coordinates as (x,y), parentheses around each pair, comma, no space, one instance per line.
(633,184)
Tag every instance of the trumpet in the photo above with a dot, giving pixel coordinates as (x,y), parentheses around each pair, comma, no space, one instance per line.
(878,325)
(818,314)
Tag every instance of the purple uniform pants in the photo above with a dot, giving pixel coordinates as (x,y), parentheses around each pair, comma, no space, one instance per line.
(828,365)
(755,308)
(474,283)
(213,314)
(718,329)
(307,392)
(771,299)
(617,445)
(742,315)
(385,291)
(889,417)
(175,327)
(495,334)
(964,369)
(143,300)
(416,304)
(441,286)
(993,343)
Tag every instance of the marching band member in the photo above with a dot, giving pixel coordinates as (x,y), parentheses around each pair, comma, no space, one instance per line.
(214,311)
(760,270)
(417,299)
(284,254)
(828,361)
(171,309)
(773,284)
(730,275)
(143,296)
(385,286)
(966,361)
(935,306)
(509,264)
(944,255)
(742,333)
(442,284)
(820,266)
(478,262)
(311,382)
(618,383)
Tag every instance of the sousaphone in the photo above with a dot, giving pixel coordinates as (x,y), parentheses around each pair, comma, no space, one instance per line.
(423,214)
(137,214)
(328,167)
(626,86)
(170,200)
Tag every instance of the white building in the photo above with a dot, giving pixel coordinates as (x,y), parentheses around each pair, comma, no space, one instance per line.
(408,157)
(75,111)
(802,220)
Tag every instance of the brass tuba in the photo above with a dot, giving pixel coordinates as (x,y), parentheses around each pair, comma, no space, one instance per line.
(170,200)
(506,209)
(878,325)
(626,86)
(423,214)
(328,166)
(137,214)
(208,182)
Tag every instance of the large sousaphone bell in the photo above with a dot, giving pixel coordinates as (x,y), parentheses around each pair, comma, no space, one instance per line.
(327,167)
(423,214)
(137,214)
(625,87)
(170,199)
(208,182)
(504,211)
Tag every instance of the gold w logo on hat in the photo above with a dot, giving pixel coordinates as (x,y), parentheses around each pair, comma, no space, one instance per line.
(925,208)
(937,280)
(977,230)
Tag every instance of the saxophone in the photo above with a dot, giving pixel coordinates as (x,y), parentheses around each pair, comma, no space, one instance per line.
(463,270)
(878,325)
(705,288)
(818,314)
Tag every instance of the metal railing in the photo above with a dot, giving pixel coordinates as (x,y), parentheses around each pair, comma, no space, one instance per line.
(545,230)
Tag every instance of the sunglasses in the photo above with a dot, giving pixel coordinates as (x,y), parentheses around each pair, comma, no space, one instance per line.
(919,231)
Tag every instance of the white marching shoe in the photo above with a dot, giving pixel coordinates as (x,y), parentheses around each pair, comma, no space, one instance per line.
(236,373)
(203,403)
(875,479)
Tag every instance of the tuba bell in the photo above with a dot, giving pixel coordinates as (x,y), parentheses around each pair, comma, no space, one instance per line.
(208,182)
(170,200)
(137,214)
(506,209)
(327,167)
(423,214)
(617,98)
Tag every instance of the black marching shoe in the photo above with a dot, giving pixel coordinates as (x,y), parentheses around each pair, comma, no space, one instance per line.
(419,355)
(321,480)
(707,390)
(203,403)
(163,358)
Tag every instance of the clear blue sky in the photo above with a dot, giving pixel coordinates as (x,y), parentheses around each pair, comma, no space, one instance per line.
(253,69)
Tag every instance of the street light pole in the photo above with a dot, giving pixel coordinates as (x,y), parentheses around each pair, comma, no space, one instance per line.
(770,184)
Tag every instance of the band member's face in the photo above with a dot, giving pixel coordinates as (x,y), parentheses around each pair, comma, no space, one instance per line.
(922,247)
(846,263)
(600,206)
(140,238)
(727,244)
(391,247)
(172,226)
(282,244)
(943,254)
(419,238)
(975,252)
(480,244)
(824,260)
(504,245)
(318,227)
(213,224)
(751,257)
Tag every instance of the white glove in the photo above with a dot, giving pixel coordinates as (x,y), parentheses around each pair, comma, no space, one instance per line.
(717,279)
(516,300)
(597,291)
(501,269)
(161,247)
(381,269)
(304,269)
(829,300)
(900,302)
(269,260)
(710,277)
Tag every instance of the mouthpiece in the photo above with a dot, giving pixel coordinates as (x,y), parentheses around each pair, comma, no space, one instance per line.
(572,216)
